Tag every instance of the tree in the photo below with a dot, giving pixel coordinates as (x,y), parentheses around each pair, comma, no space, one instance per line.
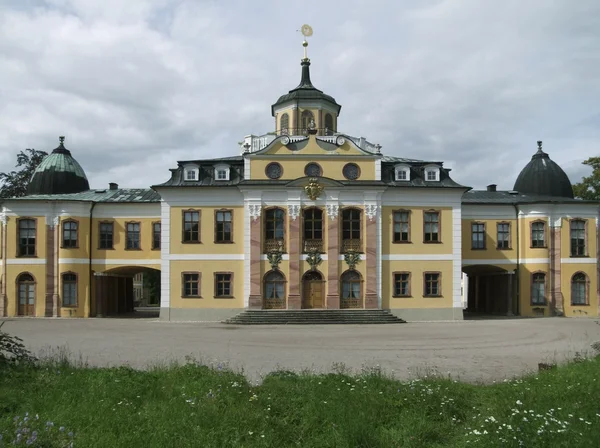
(14,184)
(589,187)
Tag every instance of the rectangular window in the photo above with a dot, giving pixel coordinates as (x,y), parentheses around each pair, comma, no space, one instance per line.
(578,238)
(223,284)
(221,174)
(106,235)
(191,226)
(69,289)
(431,227)
(223,226)
(191,285)
(69,234)
(401,284)
(432,284)
(477,235)
(402,226)
(133,236)
(431,175)
(538,289)
(503,229)
(190,175)
(27,236)
(401,175)
(538,234)
(156,235)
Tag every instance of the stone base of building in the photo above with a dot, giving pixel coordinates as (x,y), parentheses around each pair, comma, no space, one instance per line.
(198,314)
(424,314)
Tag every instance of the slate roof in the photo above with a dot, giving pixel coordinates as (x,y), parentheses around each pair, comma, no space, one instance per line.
(121,195)
(514,197)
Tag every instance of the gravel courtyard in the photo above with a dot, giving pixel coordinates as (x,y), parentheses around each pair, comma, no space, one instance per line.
(473,351)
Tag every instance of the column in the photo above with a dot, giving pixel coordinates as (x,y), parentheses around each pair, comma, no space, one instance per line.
(51,224)
(333,255)
(255,299)
(371,253)
(476,293)
(555,271)
(294,301)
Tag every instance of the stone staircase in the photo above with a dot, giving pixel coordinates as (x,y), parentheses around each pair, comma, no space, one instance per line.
(313,317)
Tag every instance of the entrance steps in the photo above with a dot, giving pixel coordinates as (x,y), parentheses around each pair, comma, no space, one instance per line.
(313,317)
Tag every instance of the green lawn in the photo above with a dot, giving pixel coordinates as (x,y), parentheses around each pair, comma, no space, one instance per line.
(197,406)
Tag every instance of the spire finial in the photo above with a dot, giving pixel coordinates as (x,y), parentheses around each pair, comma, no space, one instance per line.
(539,145)
(306,31)
(61,139)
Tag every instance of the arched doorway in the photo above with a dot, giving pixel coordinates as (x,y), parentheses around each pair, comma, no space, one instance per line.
(312,290)
(351,290)
(274,291)
(26,295)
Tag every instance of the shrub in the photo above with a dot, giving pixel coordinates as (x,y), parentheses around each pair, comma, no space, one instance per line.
(13,351)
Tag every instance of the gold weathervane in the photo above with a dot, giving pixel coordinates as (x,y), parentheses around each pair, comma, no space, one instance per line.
(306,31)
(313,189)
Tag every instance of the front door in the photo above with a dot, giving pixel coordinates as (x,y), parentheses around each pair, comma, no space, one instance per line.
(312,296)
(26,299)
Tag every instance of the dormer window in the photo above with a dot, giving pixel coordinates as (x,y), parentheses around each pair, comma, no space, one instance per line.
(191,173)
(402,172)
(432,173)
(222,172)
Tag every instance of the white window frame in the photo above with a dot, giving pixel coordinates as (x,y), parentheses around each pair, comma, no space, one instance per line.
(432,169)
(222,167)
(402,169)
(191,169)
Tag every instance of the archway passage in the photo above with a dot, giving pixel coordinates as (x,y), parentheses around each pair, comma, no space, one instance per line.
(26,295)
(313,290)
(489,290)
(128,291)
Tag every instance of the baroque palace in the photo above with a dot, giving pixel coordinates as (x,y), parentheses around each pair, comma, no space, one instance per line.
(306,217)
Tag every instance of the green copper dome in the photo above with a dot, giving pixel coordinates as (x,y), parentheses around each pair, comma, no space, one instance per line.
(59,173)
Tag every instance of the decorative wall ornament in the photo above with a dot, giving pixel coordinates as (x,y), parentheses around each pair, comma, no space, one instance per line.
(332,211)
(314,259)
(285,140)
(274,258)
(294,211)
(352,259)
(371,211)
(340,140)
(254,210)
(3,218)
(313,189)
(55,221)
(52,221)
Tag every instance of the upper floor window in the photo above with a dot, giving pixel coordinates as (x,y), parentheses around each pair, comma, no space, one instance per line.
(538,234)
(538,288)
(402,226)
(402,172)
(503,230)
(69,234)
(579,289)
(477,235)
(308,120)
(156,235)
(432,173)
(191,172)
(27,236)
(223,226)
(133,236)
(274,230)
(329,129)
(222,172)
(284,124)
(313,230)
(313,170)
(431,224)
(577,238)
(191,226)
(351,230)
(105,235)
(223,284)
(69,289)
(433,284)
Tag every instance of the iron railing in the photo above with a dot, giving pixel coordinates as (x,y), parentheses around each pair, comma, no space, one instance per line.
(274,245)
(274,304)
(312,246)
(351,245)
(305,131)
(350,303)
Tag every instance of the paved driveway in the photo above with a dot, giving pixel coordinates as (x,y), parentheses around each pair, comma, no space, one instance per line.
(482,350)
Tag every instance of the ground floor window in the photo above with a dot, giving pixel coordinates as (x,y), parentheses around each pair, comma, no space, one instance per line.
(351,290)
(69,289)
(433,284)
(191,284)
(223,284)
(401,284)
(579,289)
(538,289)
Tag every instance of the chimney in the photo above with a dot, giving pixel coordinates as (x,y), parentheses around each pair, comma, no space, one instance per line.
(113,186)
(491,187)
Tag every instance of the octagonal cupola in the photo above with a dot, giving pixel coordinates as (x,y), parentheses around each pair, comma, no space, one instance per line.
(305,107)
(58,173)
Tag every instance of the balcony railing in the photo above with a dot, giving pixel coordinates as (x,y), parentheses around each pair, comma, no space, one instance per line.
(352,245)
(274,245)
(304,131)
(309,246)
(274,304)
(350,303)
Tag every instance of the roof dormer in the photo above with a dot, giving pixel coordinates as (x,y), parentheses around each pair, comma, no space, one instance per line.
(402,172)
(222,171)
(432,173)
(191,172)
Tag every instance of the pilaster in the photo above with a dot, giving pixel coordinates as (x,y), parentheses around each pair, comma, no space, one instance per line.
(333,253)
(51,296)
(555,271)
(294,299)
(371,299)
(255,298)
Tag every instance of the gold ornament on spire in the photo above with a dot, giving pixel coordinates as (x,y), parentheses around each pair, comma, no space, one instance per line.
(306,31)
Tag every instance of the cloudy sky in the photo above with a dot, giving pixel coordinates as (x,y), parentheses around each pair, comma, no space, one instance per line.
(136,85)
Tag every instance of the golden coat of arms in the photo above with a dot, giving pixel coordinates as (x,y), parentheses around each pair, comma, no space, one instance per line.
(313,189)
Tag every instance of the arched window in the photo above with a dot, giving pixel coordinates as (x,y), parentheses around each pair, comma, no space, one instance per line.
(313,230)
(351,230)
(26,294)
(307,119)
(69,234)
(27,233)
(284,124)
(69,289)
(579,289)
(351,290)
(274,290)
(329,124)
(274,230)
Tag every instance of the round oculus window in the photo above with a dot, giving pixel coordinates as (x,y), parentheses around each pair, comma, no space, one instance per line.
(312,170)
(351,171)
(274,170)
